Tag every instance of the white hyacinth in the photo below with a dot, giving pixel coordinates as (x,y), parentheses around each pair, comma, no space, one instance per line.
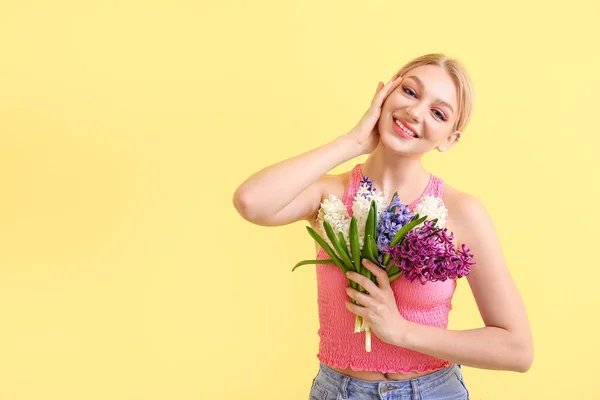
(361,206)
(434,208)
(335,212)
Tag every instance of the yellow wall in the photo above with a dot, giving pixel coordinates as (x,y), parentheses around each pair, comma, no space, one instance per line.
(125,127)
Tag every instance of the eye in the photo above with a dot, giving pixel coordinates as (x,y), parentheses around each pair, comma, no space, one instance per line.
(440,115)
(411,91)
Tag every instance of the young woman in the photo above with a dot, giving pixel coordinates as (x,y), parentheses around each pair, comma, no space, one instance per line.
(426,106)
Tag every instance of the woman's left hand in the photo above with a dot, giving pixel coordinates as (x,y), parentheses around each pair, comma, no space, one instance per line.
(379,307)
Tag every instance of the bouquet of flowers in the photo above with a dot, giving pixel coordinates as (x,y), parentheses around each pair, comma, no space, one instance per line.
(416,245)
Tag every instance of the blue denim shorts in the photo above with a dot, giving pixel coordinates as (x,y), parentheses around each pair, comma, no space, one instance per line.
(443,384)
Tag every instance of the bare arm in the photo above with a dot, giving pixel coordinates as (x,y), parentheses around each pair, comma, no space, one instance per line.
(291,190)
(505,342)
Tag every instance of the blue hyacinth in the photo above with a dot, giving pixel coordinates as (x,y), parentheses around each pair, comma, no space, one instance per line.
(394,217)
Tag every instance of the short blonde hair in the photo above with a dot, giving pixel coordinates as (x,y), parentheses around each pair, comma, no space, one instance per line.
(461,79)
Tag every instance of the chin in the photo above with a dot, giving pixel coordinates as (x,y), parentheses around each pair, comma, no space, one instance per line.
(392,141)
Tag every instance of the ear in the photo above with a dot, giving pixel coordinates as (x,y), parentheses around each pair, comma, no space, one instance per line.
(452,139)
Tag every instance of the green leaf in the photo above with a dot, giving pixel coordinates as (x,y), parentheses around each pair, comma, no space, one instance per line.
(371,223)
(367,248)
(327,248)
(374,250)
(305,262)
(368,226)
(355,244)
(336,244)
(394,277)
(375,223)
(341,250)
(375,218)
(355,247)
(393,270)
(343,243)
(404,230)
(386,258)
(368,252)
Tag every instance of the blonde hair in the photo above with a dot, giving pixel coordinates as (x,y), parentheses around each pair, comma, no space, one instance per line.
(459,76)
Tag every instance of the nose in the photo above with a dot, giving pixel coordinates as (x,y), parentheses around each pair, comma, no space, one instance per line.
(413,113)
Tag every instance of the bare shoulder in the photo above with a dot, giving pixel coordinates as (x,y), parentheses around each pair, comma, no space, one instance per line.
(335,184)
(460,203)
(467,215)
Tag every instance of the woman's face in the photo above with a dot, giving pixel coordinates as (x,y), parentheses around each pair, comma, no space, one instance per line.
(425,103)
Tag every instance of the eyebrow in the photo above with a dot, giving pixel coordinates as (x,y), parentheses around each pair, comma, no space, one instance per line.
(421,86)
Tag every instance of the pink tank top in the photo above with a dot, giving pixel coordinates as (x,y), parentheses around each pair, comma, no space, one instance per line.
(427,304)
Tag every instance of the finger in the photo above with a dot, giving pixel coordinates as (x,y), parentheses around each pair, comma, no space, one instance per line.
(356,309)
(387,89)
(379,87)
(395,83)
(363,281)
(380,273)
(364,299)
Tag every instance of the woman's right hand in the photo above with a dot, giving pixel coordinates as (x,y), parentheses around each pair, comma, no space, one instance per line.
(366,133)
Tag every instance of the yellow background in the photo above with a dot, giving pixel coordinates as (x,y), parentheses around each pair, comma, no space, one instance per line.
(126,126)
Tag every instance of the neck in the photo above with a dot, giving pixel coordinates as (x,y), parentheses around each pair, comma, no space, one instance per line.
(391,173)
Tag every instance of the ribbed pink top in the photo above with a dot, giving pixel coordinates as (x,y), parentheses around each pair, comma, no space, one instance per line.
(427,304)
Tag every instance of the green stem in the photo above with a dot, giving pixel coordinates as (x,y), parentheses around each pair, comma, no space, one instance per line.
(357,324)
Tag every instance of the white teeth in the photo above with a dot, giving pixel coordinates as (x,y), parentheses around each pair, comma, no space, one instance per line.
(405,129)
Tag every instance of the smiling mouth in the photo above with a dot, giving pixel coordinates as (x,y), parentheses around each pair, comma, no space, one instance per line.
(406,130)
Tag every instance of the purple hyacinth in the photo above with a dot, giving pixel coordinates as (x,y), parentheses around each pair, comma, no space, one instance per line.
(394,217)
(369,183)
(428,254)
